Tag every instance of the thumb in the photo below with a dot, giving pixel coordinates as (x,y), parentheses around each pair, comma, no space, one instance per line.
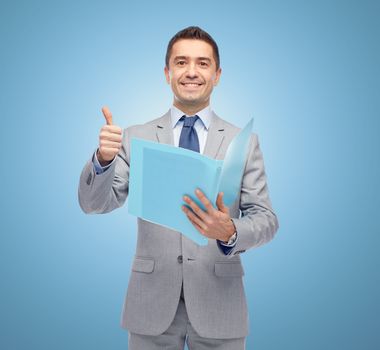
(220,204)
(107,114)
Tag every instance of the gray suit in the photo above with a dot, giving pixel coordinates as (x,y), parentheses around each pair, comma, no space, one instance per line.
(212,282)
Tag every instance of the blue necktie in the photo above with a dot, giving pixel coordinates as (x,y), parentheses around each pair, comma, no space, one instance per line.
(189,136)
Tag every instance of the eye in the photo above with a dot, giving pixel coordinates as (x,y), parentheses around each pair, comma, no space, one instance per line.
(180,63)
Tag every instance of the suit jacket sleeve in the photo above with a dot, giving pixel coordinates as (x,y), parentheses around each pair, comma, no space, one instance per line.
(258,223)
(102,193)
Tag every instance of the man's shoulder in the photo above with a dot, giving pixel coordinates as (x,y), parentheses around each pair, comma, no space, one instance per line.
(220,122)
(148,127)
(163,120)
(232,130)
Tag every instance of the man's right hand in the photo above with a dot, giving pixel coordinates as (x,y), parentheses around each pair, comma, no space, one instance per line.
(110,138)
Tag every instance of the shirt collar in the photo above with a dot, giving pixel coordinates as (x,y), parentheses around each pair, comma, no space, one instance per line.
(204,115)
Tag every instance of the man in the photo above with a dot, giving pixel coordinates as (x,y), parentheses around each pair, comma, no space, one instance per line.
(180,291)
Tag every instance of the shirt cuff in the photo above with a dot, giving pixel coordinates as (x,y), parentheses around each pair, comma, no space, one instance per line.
(227,248)
(231,242)
(98,168)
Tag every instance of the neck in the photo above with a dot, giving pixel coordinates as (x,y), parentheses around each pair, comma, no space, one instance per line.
(190,109)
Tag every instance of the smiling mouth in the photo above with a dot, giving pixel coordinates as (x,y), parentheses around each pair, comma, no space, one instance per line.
(191,85)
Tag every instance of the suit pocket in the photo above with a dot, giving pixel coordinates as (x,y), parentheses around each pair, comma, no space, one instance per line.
(143,265)
(229,269)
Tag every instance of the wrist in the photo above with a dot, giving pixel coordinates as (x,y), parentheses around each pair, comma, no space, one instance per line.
(231,240)
(102,162)
(232,235)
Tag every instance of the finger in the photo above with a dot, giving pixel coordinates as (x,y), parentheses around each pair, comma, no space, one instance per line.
(203,232)
(110,150)
(109,144)
(106,135)
(220,204)
(205,201)
(113,129)
(199,228)
(108,154)
(203,215)
(192,217)
(107,114)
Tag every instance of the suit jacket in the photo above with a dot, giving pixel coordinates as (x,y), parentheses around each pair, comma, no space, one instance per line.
(212,282)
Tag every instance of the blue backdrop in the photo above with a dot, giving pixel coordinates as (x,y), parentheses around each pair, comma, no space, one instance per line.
(308,71)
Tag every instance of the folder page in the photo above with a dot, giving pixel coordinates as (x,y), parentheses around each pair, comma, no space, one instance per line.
(161,174)
(234,164)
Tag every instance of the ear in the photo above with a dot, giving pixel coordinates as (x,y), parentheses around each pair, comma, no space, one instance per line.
(167,74)
(217,76)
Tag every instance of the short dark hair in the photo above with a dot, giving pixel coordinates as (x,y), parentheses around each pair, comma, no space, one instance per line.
(197,33)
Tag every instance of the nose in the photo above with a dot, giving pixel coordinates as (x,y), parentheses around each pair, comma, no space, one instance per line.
(191,70)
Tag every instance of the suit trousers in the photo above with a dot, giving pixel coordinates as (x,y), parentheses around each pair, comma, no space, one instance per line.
(179,332)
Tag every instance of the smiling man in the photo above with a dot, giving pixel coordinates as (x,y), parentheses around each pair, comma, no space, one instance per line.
(179,291)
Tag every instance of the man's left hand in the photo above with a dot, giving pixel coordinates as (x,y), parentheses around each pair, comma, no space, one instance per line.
(212,223)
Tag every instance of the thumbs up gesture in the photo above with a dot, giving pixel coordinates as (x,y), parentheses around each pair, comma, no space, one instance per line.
(110,138)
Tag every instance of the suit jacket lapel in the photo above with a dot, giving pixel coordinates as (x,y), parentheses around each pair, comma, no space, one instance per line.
(215,137)
(164,132)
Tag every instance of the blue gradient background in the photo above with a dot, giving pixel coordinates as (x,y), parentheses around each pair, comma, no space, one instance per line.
(308,71)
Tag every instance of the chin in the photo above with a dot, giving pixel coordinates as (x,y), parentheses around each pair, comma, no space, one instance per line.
(191,101)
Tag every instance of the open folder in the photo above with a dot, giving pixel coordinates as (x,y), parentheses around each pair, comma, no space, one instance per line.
(161,174)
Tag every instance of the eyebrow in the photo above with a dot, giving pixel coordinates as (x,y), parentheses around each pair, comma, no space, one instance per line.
(185,57)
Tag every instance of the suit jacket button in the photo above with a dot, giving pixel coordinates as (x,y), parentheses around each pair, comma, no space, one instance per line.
(180,259)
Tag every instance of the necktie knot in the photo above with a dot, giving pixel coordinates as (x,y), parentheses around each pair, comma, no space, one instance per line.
(189,121)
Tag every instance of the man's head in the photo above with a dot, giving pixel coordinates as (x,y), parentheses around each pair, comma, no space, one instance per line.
(192,68)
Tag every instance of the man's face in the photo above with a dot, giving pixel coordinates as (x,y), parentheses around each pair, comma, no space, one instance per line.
(192,72)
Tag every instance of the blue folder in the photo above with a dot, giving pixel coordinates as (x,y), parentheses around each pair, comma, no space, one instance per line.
(161,174)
